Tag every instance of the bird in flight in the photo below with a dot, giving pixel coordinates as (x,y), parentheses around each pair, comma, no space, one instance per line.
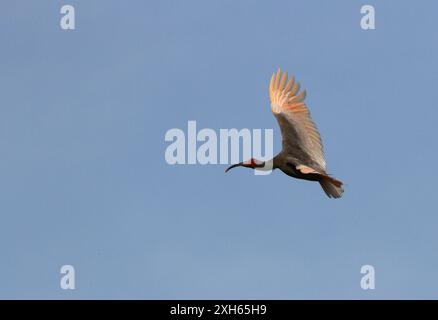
(302,156)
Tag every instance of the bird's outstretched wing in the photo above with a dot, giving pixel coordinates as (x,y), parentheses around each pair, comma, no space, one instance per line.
(300,136)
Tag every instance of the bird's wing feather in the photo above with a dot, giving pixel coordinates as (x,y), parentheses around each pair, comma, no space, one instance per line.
(300,136)
(306,170)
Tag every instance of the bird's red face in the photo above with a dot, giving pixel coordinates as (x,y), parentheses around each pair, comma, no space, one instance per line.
(251,163)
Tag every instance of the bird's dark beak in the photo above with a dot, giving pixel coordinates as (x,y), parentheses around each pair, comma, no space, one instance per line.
(234,165)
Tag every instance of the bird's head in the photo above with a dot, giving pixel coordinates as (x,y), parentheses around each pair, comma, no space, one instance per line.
(251,163)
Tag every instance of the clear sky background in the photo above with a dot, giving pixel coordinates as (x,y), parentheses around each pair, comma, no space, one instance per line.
(83,179)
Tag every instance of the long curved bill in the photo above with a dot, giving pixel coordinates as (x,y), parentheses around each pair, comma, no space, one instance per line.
(234,166)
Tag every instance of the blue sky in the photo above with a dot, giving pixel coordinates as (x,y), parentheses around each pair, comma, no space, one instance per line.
(83,179)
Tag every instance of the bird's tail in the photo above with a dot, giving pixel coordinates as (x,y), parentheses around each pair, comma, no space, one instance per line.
(332,187)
